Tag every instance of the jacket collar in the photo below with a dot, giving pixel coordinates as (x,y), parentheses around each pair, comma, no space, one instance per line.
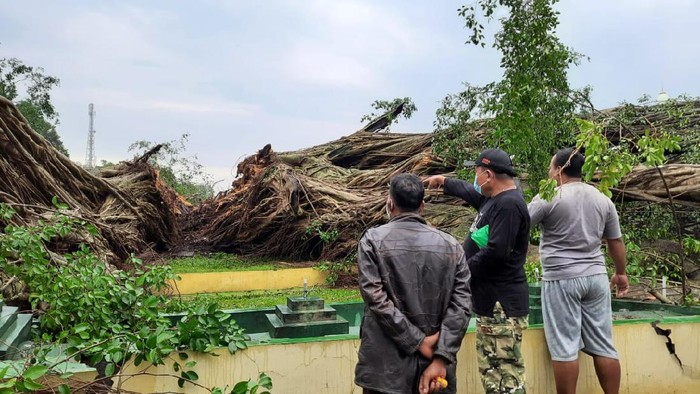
(408,217)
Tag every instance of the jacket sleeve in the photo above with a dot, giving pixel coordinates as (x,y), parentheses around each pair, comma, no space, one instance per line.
(394,323)
(456,319)
(463,190)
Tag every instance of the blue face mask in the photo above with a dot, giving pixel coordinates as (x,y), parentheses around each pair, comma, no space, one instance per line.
(477,187)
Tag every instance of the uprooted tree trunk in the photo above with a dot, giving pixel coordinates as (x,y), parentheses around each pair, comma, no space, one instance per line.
(645,184)
(130,207)
(315,203)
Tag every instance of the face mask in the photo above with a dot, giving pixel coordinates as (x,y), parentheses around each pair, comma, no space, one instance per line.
(476,184)
(477,187)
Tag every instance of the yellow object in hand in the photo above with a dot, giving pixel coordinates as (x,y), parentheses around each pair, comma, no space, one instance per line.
(442,381)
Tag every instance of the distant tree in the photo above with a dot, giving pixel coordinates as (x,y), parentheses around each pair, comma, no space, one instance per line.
(182,173)
(105,164)
(37,121)
(30,89)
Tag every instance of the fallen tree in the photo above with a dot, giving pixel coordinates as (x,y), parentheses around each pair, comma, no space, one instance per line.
(316,202)
(681,181)
(130,208)
(308,204)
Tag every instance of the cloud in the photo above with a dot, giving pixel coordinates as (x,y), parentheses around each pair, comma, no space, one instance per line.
(351,44)
(364,27)
(635,47)
(204,107)
(318,66)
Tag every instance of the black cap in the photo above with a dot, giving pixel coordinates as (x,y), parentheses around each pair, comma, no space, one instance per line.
(496,160)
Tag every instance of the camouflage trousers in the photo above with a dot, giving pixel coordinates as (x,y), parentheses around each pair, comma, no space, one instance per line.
(498,341)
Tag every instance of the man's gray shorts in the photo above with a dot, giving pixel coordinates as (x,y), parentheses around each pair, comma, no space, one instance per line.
(577,316)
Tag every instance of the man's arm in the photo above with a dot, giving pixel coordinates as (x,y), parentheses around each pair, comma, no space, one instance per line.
(463,190)
(456,319)
(618,254)
(616,249)
(456,188)
(407,336)
(538,209)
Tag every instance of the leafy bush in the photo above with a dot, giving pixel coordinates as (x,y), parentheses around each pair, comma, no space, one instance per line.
(102,317)
(316,228)
(337,269)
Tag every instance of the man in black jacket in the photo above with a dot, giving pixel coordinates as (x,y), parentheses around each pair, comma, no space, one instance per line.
(415,284)
(496,249)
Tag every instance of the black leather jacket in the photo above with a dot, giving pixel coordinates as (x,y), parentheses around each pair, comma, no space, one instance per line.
(415,281)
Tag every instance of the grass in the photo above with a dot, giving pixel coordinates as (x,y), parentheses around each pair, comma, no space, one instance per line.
(222,262)
(269,298)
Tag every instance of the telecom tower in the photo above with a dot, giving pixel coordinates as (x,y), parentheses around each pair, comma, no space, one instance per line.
(90,154)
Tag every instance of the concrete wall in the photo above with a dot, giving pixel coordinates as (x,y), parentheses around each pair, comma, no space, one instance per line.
(327,366)
(218,282)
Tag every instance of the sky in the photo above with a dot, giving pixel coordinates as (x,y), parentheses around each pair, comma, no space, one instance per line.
(236,75)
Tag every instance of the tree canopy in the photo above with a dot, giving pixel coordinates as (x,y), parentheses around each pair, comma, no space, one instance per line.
(531,110)
(30,89)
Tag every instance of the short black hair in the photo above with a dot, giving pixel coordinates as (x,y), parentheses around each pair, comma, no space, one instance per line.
(571,161)
(406,191)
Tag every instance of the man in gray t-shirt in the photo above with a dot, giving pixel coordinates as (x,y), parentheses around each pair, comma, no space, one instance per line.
(575,293)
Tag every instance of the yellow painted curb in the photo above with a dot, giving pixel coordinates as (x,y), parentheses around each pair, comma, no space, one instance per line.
(221,282)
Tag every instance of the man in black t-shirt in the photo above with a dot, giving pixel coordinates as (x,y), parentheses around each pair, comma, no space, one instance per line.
(495,250)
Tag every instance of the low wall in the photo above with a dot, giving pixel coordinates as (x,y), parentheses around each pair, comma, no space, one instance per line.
(220,282)
(326,365)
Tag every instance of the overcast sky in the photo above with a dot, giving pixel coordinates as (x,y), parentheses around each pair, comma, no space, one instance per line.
(237,75)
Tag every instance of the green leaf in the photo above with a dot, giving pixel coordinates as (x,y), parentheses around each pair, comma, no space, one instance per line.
(152,302)
(240,388)
(265,381)
(31,385)
(3,371)
(109,369)
(35,372)
(191,375)
(117,356)
(64,389)
(8,384)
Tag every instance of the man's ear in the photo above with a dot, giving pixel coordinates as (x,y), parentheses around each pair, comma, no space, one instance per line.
(421,207)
